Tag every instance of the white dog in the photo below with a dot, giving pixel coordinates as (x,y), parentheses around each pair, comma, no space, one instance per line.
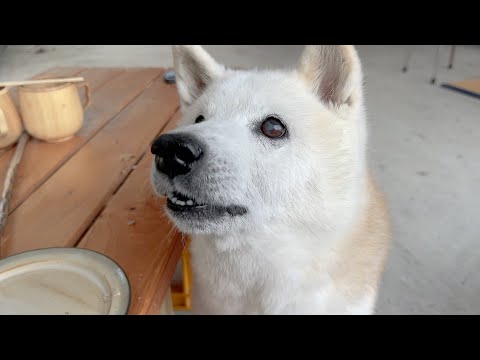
(267,173)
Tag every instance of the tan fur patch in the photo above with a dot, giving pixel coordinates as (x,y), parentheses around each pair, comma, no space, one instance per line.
(361,260)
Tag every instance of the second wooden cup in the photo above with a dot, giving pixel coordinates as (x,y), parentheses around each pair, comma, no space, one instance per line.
(52,113)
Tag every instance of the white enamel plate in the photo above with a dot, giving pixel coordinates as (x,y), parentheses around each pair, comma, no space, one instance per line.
(62,281)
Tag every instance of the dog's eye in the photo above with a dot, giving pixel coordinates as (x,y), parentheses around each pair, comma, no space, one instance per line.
(199,119)
(273,128)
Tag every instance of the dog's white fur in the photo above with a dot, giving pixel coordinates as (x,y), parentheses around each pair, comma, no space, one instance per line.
(315,237)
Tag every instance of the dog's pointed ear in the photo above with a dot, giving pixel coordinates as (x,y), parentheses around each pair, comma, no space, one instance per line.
(194,69)
(332,72)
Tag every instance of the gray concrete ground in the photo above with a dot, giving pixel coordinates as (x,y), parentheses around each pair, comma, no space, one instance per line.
(424,149)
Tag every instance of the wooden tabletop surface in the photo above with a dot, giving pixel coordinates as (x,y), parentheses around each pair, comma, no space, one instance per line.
(93,191)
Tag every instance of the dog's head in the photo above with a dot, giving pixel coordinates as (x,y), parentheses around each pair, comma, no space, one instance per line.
(263,148)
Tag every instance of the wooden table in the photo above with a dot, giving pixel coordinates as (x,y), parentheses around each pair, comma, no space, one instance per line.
(93,191)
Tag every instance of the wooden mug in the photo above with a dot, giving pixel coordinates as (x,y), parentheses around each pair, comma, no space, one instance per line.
(11,126)
(52,112)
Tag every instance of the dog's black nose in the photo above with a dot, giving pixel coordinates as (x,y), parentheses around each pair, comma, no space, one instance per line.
(175,154)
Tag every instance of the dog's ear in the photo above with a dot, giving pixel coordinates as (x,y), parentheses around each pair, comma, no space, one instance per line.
(194,69)
(333,73)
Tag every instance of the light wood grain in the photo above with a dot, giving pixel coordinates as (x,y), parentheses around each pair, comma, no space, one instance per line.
(63,208)
(52,113)
(10,123)
(133,231)
(111,92)
(55,80)
(59,72)
(53,72)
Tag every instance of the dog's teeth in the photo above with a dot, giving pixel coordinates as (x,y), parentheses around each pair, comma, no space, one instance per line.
(181,200)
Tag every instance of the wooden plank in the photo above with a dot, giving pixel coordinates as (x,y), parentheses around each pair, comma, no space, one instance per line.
(41,159)
(59,72)
(167,306)
(134,231)
(97,77)
(164,276)
(62,209)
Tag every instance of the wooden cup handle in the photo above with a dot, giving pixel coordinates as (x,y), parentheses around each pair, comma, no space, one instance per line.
(3,124)
(87,95)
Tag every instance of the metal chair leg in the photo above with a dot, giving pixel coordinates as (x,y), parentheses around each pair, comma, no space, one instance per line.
(407,59)
(435,66)
(452,56)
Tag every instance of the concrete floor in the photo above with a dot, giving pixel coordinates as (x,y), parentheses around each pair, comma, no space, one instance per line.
(424,148)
